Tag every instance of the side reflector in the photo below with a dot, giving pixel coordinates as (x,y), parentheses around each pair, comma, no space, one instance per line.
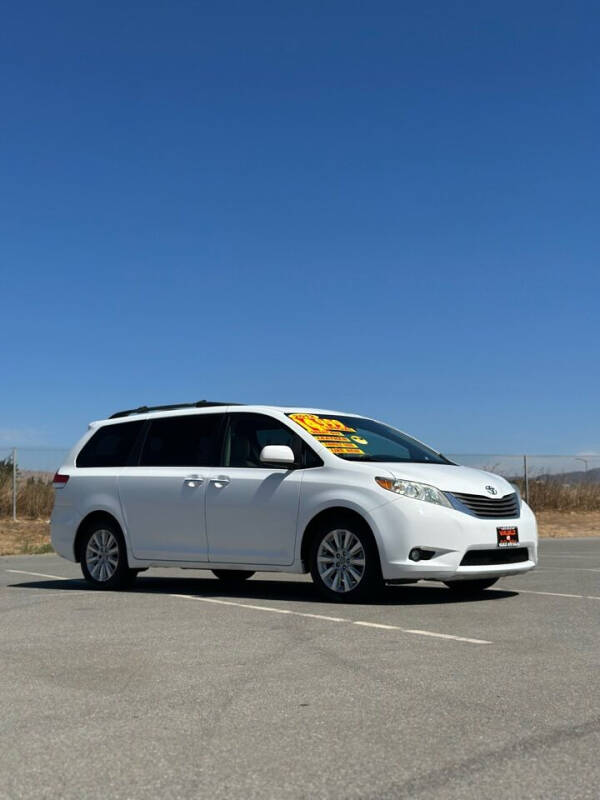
(385,483)
(58,481)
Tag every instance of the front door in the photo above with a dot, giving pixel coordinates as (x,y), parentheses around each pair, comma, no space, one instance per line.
(163,498)
(251,508)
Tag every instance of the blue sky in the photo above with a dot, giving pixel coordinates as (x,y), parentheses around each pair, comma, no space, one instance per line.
(390,208)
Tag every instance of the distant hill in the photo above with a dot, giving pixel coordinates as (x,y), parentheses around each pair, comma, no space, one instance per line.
(578,477)
(37,474)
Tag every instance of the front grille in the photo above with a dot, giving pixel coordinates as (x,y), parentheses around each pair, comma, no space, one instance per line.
(490,507)
(501,555)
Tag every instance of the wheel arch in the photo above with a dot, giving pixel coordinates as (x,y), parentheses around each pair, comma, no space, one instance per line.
(93,517)
(332,514)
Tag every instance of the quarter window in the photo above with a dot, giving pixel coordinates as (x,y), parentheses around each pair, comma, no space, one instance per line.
(110,446)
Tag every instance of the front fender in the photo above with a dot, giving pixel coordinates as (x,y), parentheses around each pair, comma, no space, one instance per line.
(360,500)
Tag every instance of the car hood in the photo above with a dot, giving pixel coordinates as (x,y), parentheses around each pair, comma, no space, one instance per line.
(450,478)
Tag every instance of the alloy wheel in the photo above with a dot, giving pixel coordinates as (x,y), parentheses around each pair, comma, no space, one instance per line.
(341,561)
(102,555)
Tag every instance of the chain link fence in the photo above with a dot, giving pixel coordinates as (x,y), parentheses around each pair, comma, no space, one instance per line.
(547,482)
(26,480)
(561,482)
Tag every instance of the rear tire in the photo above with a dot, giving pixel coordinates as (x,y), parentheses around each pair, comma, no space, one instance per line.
(344,561)
(232,575)
(104,557)
(471,587)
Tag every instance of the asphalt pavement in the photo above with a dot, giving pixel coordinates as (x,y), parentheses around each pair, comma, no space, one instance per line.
(183,688)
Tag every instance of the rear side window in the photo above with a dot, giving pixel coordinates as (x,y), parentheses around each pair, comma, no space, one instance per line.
(110,446)
(184,441)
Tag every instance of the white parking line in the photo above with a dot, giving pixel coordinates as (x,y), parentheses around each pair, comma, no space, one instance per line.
(338,619)
(570,569)
(258,608)
(549,594)
(378,625)
(423,633)
(564,555)
(39,574)
(333,619)
(449,636)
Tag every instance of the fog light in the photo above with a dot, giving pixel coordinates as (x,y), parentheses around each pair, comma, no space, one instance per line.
(419,554)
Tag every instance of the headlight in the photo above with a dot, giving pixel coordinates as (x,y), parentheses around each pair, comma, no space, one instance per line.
(418,491)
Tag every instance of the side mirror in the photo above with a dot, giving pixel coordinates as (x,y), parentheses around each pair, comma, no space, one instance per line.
(278,454)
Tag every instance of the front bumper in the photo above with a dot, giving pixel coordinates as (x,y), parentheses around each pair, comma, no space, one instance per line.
(403,524)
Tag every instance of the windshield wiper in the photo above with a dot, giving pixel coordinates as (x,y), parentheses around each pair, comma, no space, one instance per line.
(370,458)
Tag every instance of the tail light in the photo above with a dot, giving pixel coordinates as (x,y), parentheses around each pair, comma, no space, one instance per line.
(59,480)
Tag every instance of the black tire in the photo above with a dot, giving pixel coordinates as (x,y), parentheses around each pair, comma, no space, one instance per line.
(232,575)
(352,591)
(471,587)
(118,576)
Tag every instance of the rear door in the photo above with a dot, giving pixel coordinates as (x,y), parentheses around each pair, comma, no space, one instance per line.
(252,508)
(163,496)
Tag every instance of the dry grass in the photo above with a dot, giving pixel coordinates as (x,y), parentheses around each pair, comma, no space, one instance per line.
(35,496)
(568,524)
(549,494)
(24,537)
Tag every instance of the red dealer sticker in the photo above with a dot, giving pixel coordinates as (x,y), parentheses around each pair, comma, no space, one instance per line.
(507,537)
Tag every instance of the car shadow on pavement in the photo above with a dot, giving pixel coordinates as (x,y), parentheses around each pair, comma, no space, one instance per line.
(277,590)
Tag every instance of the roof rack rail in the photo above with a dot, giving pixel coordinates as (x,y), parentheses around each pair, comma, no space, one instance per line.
(145,409)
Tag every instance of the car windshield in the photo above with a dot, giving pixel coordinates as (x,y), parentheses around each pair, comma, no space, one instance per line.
(361,439)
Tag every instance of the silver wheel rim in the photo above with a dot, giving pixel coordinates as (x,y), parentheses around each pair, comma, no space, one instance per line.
(102,555)
(341,561)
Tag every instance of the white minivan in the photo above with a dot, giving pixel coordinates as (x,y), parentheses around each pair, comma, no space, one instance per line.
(236,489)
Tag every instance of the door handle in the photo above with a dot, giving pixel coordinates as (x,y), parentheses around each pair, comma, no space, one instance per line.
(193,480)
(220,481)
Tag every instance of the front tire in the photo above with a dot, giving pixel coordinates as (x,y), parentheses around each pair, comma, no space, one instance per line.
(471,587)
(344,562)
(104,557)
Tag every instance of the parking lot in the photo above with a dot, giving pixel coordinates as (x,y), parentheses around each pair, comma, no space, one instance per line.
(184,688)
